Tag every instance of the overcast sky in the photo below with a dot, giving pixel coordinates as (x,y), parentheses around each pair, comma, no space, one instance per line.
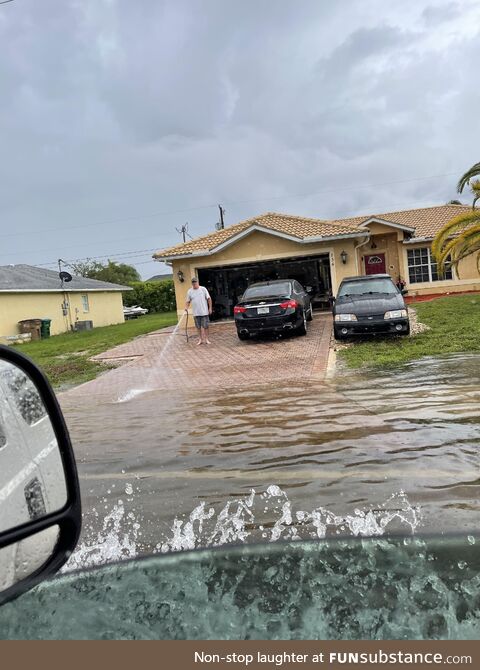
(120,120)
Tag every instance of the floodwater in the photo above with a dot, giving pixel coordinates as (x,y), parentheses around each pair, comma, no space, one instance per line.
(365,453)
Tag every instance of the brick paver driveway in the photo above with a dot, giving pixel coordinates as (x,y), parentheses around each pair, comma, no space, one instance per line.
(164,360)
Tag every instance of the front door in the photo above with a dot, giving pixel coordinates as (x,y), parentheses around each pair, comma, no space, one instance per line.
(375,264)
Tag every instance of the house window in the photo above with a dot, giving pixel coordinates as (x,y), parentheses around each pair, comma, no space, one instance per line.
(422,267)
(86,307)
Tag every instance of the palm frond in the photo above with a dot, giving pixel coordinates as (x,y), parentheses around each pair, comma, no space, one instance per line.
(469,174)
(475,189)
(463,245)
(453,227)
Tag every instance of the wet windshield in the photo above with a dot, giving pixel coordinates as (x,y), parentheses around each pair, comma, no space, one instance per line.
(367,287)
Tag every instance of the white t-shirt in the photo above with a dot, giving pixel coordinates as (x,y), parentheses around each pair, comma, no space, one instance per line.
(198,298)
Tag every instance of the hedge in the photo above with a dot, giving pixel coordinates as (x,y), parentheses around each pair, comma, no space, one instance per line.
(158,296)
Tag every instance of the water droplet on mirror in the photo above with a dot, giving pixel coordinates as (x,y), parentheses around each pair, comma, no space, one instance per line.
(471,539)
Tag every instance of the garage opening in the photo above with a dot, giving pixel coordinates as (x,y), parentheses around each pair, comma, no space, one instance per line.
(227,284)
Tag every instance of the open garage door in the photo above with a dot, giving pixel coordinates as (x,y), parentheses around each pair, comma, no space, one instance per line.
(227,284)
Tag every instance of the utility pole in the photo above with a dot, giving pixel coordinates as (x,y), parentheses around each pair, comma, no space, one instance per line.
(222,212)
(183,231)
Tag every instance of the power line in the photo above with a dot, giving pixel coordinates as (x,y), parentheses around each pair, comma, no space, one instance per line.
(231,204)
(119,255)
(89,244)
(4,2)
(349,213)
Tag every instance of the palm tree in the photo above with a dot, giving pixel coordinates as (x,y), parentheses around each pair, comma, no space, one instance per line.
(469,174)
(460,237)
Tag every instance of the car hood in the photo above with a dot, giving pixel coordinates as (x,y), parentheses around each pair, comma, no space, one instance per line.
(368,304)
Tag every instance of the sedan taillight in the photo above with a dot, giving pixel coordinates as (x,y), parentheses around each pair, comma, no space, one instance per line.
(289,303)
(238,309)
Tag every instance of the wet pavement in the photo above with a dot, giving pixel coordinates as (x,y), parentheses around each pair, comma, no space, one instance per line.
(405,442)
(164,360)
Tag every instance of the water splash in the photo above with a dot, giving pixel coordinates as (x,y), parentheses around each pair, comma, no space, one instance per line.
(242,520)
(117,541)
(133,393)
(266,516)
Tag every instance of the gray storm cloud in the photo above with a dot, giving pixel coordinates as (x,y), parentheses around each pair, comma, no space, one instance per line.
(138,116)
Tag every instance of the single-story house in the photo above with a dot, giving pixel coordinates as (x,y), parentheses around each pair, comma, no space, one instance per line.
(28,292)
(319,254)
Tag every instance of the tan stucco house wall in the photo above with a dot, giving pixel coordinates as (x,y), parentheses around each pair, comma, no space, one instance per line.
(272,237)
(260,246)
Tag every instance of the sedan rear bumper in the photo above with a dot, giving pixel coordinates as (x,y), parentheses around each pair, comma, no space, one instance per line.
(279,324)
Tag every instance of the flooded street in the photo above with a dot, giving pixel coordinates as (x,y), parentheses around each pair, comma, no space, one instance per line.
(365,453)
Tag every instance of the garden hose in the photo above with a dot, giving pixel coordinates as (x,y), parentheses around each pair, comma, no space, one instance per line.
(186,325)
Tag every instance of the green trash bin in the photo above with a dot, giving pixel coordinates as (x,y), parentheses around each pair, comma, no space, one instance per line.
(45,328)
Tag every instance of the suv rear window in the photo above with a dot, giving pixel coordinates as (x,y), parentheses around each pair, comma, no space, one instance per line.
(384,286)
(267,291)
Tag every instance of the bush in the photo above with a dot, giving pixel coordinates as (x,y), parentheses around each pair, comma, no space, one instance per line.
(156,296)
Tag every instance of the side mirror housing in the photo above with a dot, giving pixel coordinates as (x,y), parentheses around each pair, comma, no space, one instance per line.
(404,291)
(40,513)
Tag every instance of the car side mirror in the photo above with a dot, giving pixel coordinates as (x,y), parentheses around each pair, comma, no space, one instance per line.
(40,513)
(404,291)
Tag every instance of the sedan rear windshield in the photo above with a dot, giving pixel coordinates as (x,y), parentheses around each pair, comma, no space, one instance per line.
(367,287)
(267,291)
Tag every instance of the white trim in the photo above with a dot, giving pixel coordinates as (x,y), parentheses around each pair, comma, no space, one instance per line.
(418,240)
(65,290)
(330,238)
(384,222)
(251,229)
(261,229)
(430,282)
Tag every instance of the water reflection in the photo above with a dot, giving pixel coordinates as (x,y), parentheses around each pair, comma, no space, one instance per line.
(340,446)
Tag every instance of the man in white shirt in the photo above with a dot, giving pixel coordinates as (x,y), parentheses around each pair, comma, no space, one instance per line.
(199,298)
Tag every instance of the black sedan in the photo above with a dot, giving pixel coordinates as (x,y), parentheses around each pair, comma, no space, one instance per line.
(279,306)
(369,305)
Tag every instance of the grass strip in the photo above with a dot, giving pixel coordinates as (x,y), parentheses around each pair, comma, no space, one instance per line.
(65,358)
(454,323)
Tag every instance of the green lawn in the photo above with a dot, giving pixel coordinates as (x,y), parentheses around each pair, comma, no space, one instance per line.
(454,327)
(65,358)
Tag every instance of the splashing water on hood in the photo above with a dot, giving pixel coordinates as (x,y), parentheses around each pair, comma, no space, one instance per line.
(259,517)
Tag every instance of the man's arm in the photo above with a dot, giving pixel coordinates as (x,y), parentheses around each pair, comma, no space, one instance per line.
(187,303)
(209,301)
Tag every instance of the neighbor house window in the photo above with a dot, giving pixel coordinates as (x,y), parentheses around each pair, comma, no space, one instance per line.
(422,267)
(86,307)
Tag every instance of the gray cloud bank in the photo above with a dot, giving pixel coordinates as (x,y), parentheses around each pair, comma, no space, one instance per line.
(138,116)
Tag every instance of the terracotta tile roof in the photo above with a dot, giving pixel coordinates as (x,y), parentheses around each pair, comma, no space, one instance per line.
(426,222)
(296,226)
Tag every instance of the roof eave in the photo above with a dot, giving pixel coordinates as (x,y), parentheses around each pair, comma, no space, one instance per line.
(385,222)
(262,229)
(66,290)
(415,240)
(332,238)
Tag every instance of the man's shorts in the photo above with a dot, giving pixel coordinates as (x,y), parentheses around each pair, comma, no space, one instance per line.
(201,321)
